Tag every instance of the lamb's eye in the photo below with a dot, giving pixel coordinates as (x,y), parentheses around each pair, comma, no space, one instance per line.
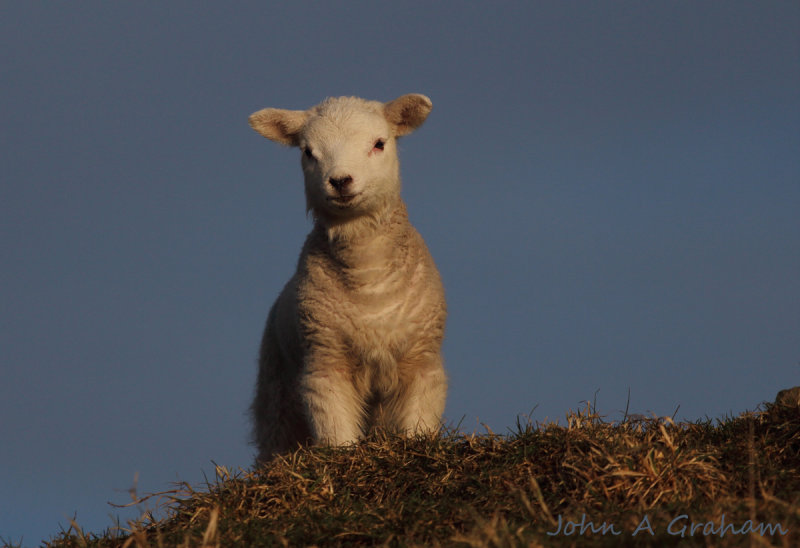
(379,144)
(307,152)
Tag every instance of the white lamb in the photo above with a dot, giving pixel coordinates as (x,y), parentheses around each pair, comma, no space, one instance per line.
(354,339)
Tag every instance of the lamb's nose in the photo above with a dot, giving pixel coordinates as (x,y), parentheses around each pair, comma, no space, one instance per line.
(340,183)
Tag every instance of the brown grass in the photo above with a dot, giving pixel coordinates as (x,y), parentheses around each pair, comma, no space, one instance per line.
(453,489)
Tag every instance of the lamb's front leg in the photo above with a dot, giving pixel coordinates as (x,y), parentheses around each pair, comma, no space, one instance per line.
(418,403)
(335,409)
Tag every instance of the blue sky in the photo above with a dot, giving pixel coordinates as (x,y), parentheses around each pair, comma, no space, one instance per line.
(610,189)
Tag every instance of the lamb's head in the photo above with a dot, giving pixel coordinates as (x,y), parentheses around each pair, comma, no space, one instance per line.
(349,150)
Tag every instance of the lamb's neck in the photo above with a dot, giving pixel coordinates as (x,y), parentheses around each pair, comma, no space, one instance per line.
(367,243)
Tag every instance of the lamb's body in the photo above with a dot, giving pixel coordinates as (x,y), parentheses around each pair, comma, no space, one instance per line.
(354,338)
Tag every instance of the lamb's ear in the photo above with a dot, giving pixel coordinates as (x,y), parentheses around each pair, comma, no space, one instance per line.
(282,126)
(407,112)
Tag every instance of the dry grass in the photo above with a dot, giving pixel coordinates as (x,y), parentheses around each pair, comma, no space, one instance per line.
(453,489)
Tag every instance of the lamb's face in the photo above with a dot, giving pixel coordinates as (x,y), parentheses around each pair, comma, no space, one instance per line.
(349,149)
(349,159)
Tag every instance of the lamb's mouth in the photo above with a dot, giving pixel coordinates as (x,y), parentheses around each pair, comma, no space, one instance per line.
(342,200)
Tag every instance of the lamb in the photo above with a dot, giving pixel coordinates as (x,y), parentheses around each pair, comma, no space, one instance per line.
(354,339)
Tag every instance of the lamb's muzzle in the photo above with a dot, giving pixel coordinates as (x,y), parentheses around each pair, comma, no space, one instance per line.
(340,183)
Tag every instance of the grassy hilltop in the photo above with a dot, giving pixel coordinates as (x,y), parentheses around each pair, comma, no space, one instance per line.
(717,479)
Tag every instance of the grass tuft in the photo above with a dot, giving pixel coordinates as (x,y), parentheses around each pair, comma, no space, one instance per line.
(454,489)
